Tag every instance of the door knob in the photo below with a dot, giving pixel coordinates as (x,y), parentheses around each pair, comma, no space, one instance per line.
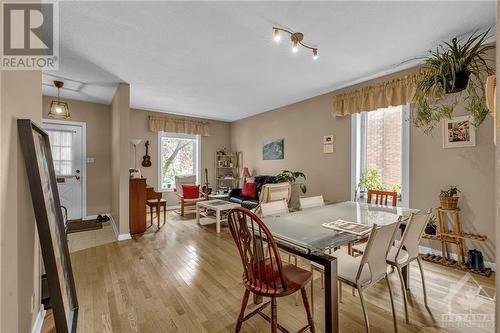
(77,171)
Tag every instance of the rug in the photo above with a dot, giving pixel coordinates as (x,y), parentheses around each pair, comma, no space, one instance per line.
(79,225)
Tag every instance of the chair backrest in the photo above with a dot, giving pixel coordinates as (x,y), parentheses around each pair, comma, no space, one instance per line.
(311,202)
(274,208)
(262,266)
(375,254)
(381,197)
(180,180)
(413,233)
(276,192)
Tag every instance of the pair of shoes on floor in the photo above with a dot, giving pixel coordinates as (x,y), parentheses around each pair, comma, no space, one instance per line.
(101,218)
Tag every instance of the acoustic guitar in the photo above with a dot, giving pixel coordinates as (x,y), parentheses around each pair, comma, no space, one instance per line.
(206,189)
(146,159)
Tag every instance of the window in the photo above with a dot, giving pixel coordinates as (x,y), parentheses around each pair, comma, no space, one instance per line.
(380,149)
(61,143)
(179,156)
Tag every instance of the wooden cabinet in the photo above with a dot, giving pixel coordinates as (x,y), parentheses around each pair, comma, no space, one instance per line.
(137,205)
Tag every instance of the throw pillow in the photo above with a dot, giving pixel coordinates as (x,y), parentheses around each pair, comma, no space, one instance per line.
(191,191)
(249,190)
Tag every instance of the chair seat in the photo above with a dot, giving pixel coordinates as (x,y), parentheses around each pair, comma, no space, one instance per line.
(193,200)
(154,202)
(348,266)
(295,279)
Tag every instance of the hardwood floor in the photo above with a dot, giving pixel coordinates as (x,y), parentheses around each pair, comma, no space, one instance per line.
(186,278)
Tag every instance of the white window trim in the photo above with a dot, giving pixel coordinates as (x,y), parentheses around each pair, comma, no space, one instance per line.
(357,146)
(197,155)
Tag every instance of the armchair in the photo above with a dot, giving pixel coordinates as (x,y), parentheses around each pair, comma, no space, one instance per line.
(187,205)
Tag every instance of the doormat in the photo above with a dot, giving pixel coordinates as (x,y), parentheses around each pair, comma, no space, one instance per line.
(79,225)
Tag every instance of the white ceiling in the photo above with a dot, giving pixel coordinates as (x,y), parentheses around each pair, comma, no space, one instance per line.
(218,59)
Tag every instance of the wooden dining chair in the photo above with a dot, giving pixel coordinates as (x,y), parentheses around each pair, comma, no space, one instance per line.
(364,272)
(381,197)
(264,274)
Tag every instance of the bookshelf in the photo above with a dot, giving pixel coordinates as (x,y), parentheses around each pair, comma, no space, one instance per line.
(227,165)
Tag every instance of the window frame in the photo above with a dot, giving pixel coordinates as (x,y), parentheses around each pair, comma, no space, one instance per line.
(358,147)
(197,156)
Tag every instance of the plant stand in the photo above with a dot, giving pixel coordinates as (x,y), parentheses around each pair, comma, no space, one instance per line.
(455,236)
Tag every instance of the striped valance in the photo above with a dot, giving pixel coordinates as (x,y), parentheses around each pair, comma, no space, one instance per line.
(178,125)
(390,93)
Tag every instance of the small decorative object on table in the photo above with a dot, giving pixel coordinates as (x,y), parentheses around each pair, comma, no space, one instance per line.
(449,198)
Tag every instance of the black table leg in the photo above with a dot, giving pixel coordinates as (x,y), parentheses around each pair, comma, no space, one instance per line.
(331,296)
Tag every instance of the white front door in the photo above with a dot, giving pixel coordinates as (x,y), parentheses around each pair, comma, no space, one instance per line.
(66,141)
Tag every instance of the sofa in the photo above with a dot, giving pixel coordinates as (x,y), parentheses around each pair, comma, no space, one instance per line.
(247,202)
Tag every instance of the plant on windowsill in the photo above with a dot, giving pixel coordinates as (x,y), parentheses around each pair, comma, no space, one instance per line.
(455,72)
(370,180)
(449,198)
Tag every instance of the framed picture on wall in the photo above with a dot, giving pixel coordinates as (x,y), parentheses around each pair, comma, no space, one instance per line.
(458,132)
(35,146)
(273,149)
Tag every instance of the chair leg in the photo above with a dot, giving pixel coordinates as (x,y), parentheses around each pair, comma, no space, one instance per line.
(165,214)
(310,319)
(423,280)
(403,290)
(312,293)
(322,277)
(182,207)
(392,305)
(151,214)
(244,303)
(274,316)
(365,313)
(340,291)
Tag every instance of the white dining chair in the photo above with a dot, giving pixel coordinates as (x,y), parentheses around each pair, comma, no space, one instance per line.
(407,251)
(274,208)
(311,202)
(364,271)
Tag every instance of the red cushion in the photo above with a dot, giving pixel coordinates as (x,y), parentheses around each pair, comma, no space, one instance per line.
(191,191)
(249,190)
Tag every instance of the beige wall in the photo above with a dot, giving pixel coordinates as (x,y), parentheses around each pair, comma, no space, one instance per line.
(97,117)
(303,126)
(432,168)
(497,186)
(219,138)
(21,97)
(120,116)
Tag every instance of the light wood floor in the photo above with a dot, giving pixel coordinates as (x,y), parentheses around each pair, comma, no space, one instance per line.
(186,278)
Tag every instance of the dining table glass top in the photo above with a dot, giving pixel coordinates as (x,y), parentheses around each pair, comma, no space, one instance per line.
(304,228)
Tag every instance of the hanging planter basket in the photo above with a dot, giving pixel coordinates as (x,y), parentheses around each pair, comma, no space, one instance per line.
(460,83)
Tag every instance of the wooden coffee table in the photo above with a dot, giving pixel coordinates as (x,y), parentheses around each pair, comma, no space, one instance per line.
(220,207)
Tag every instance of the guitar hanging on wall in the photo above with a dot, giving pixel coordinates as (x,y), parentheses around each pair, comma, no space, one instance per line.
(146,159)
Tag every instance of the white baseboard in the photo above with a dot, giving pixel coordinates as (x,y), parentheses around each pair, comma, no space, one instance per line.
(428,250)
(119,237)
(37,326)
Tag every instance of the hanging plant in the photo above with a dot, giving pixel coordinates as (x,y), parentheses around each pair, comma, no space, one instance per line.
(454,72)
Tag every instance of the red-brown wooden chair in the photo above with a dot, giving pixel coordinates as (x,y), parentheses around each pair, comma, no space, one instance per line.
(381,197)
(264,274)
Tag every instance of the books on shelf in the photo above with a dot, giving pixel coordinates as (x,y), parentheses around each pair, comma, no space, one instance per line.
(349,227)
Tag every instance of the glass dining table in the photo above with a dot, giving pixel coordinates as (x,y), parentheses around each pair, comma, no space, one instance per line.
(302,233)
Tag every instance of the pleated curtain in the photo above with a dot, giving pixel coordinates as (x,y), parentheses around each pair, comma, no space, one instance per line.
(178,125)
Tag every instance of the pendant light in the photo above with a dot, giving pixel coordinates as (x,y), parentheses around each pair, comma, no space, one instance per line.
(59,109)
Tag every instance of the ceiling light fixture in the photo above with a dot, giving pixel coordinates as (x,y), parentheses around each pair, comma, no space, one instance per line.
(296,38)
(59,109)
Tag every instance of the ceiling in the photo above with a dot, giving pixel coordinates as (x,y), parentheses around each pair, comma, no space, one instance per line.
(218,60)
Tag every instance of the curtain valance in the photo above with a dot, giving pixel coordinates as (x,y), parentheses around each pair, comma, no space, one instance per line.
(390,93)
(179,125)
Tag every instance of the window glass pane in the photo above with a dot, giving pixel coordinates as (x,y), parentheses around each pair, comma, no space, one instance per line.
(56,153)
(65,168)
(178,157)
(66,138)
(383,145)
(56,138)
(66,153)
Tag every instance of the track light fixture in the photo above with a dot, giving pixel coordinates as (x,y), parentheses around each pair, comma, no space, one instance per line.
(296,38)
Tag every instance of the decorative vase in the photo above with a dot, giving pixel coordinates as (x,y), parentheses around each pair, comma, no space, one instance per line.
(448,202)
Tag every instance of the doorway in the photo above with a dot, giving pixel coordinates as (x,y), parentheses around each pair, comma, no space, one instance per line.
(68,146)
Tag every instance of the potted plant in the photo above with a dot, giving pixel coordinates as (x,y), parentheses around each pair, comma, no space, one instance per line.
(454,67)
(369,180)
(449,198)
(292,178)
(431,227)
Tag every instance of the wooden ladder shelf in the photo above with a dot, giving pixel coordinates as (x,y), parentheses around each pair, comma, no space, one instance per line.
(453,235)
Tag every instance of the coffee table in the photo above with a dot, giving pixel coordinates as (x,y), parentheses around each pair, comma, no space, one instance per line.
(218,206)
